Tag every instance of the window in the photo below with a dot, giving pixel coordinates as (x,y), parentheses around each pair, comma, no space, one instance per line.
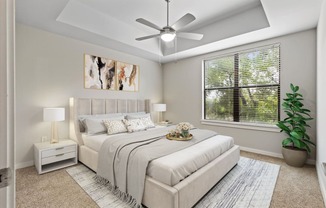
(243,87)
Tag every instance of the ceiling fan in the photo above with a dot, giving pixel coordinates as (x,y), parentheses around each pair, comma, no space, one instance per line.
(168,33)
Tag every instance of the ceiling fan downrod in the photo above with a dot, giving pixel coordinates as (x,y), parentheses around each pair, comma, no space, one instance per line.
(168,12)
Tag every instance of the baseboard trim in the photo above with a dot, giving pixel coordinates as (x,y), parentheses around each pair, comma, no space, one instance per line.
(247,149)
(272,154)
(24,164)
(321,177)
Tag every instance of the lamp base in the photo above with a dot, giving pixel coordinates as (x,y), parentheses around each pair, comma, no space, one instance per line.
(53,141)
(54,133)
(159,117)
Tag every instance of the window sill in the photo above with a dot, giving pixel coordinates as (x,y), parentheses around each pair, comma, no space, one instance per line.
(257,127)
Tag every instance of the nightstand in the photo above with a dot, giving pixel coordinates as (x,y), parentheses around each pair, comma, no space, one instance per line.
(164,123)
(49,157)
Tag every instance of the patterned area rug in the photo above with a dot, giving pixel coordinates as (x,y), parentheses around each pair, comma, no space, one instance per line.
(249,184)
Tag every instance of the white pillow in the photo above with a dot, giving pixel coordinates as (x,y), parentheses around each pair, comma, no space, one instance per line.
(134,114)
(147,122)
(96,125)
(115,126)
(134,125)
(145,119)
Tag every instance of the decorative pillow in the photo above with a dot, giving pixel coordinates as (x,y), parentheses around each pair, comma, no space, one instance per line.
(115,126)
(95,125)
(147,122)
(134,125)
(145,119)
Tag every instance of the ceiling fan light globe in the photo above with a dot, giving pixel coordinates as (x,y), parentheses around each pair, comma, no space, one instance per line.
(167,37)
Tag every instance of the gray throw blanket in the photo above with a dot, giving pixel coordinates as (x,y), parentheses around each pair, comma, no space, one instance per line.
(123,159)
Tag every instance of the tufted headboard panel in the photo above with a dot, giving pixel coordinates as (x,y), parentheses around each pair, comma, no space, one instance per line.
(89,106)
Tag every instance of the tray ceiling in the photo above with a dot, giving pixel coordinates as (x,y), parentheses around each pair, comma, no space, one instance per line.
(224,23)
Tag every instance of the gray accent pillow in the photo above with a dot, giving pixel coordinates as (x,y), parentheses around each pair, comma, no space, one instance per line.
(82,119)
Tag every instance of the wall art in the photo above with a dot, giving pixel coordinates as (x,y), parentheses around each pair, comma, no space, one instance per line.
(100,73)
(127,77)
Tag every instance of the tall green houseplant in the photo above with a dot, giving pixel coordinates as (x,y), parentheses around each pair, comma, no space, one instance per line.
(295,124)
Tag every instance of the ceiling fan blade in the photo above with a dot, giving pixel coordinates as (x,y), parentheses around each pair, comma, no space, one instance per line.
(147,37)
(191,36)
(183,21)
(149,24)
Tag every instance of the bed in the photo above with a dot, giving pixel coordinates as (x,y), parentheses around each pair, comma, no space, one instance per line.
(161,189)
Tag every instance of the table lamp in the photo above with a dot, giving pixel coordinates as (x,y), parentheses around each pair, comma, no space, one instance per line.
(159,108)
(54,115)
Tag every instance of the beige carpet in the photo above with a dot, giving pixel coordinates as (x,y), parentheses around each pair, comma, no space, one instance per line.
(58,189)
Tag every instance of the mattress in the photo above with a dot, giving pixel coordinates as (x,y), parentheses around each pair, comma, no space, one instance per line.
(173,168)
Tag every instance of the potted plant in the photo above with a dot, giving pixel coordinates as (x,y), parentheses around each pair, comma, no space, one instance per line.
(296,146)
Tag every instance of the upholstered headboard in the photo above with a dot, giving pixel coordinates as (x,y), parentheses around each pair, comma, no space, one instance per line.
(89,106)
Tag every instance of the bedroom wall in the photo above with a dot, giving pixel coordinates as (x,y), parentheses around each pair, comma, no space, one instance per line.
(182,81)
(321,99)
(50,70)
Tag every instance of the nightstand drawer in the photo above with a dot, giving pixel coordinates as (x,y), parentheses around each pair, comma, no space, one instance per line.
(58,157)
(58,150)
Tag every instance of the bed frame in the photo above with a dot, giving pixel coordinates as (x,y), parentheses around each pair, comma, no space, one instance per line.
(186,193)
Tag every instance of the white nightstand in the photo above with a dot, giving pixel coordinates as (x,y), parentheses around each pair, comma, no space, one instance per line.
(49,157)
(164,123)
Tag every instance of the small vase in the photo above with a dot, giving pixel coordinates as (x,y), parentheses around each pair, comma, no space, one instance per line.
(185,133)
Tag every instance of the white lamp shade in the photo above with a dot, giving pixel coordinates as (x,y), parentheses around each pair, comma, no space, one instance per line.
(159,107)
(53,114)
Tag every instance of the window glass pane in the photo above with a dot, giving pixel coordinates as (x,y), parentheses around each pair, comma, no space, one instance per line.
(219,104)
(219,72)
(259,105)
(259,67)
(254,98)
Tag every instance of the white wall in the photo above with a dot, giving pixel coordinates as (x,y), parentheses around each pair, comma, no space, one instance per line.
(321,98)
(50,69)
(182,83)
(7,99)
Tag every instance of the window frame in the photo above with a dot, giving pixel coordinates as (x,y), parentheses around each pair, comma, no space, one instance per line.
(239,124)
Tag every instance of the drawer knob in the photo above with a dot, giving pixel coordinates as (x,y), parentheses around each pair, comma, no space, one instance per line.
(59,155)
(59,148)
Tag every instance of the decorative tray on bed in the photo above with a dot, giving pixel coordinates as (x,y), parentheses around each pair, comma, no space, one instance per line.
(179,138)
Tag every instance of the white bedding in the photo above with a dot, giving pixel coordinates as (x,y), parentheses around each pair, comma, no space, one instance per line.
(173,168)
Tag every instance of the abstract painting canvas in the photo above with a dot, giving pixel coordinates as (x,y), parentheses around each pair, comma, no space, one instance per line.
(100,73)
(127,77)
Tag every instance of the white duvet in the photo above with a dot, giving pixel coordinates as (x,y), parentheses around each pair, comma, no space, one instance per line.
(173,168)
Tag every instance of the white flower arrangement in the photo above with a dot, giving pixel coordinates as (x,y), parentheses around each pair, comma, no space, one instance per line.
(184,126)
(182,130)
